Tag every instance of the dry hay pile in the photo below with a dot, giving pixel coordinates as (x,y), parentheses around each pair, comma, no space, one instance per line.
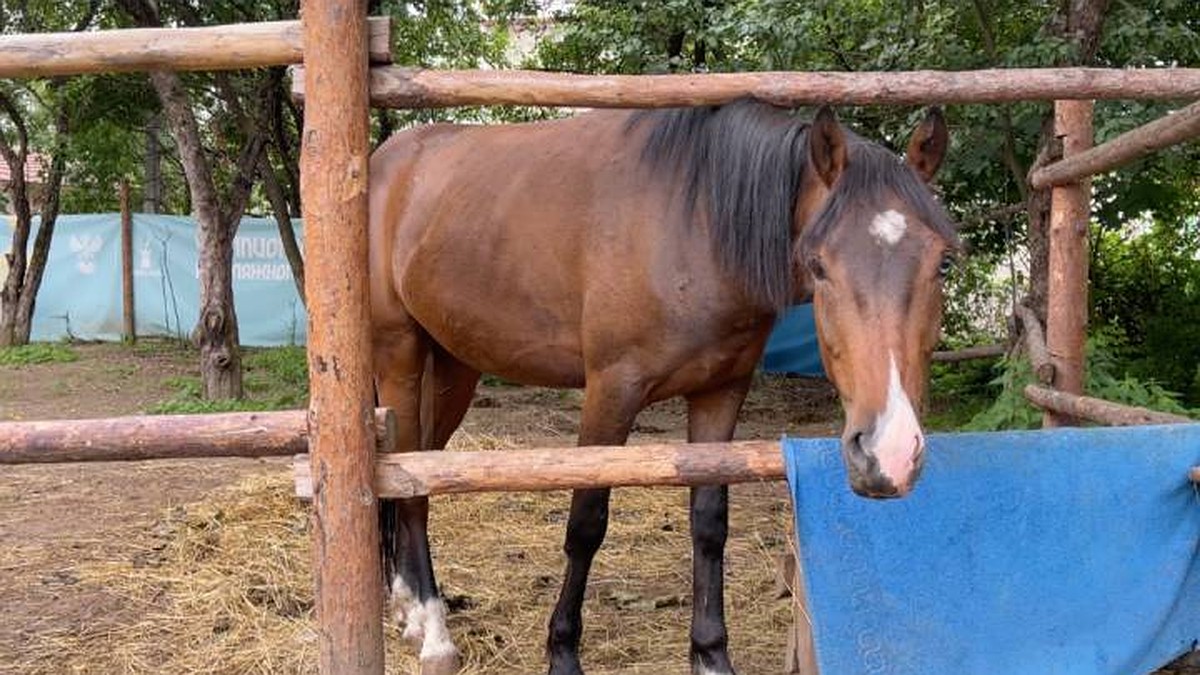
(224,586)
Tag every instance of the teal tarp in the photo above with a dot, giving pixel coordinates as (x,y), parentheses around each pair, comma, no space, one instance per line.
(81,291)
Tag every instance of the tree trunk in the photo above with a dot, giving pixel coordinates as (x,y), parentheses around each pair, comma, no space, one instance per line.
(10,295)
(152,191)
(262,165)
(216,331)
(1082,22)
(52,191)
(18,256)
(287,235)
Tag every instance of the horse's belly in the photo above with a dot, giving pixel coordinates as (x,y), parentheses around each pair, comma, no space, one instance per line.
(546,365)
(495,337)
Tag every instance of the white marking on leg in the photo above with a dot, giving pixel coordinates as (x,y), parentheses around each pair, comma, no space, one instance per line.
(424,622)
(437,642)
(898,438)
(702,669)
(407,610)
(888,227)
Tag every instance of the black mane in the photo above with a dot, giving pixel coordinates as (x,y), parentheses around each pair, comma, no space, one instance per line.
(741,164)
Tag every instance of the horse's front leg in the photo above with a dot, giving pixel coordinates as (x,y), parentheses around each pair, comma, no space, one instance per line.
(711,418)
(610,405)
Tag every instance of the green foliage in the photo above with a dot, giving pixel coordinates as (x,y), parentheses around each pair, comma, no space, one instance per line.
(957,392)
(978,301)
(1009,409)
(1107,377)
(1147,286)
(274,379)
(37,353)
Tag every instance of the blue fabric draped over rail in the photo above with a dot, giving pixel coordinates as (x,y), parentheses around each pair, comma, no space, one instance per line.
(1061,551)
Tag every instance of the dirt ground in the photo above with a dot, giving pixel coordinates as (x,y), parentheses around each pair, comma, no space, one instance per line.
(62,519)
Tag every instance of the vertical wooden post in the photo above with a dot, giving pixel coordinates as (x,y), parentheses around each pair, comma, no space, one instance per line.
(1067,303)
(347,566)
(129,332)
(801,655)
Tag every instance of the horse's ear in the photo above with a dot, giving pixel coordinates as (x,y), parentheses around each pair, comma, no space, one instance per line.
(927,147)
(827,146)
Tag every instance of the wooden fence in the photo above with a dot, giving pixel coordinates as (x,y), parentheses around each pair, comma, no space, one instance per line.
(336,42)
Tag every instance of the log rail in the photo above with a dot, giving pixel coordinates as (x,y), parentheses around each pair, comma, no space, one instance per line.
(419,474)
(1098,409)
(401,87)
(1177,127)
(235,46)
(250,434)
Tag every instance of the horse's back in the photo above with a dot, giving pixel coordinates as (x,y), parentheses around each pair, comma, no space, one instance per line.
(546,252)
(484,236)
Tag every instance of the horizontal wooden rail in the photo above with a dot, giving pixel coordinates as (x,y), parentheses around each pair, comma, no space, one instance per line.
(248,45)
(1179,126)
(397,87)
(971,353)
(1098,410)
(417,474)
(250,434)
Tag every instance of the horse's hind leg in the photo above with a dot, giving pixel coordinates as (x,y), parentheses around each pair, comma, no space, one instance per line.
(430,397)
(609,408)
(711,418)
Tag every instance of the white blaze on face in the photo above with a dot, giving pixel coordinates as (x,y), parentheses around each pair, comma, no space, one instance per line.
(424,622)
(897,439)
(888,227)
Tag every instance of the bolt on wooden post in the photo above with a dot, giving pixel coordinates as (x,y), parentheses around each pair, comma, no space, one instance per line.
(349,599)
(1067,303)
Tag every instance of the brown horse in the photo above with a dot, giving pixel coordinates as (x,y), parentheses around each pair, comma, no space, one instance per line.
(641,256)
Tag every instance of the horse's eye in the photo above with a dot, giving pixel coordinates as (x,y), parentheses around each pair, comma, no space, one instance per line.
(816,268)
(946,265)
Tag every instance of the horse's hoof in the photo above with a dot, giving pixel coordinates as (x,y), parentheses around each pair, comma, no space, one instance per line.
(442,664)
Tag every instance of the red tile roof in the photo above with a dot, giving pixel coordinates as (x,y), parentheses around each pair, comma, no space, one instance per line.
(35,169)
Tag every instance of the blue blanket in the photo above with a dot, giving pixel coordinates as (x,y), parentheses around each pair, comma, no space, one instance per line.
(1064,551)
(792,346)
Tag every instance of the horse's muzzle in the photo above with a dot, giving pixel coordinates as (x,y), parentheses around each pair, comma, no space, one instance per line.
(867,477)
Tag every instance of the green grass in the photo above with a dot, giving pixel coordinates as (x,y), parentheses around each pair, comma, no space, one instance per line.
(161,347)
(37,353)
(273,379)
(489,380)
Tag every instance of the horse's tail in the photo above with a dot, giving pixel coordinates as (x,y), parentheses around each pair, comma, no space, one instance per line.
(389,541)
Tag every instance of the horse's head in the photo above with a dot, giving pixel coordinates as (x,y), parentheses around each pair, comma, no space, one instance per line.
(875,247)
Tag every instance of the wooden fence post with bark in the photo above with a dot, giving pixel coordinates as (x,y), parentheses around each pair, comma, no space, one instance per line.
(1067,302)
(129,332)
(346,546)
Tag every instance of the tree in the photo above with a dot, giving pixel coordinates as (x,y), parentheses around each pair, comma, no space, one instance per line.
(20,104)
(217,213)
